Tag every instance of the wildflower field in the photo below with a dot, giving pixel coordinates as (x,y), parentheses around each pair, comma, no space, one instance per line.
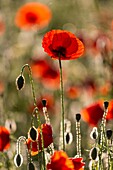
(56,85)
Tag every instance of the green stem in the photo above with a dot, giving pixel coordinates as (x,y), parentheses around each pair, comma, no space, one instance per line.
(62,103)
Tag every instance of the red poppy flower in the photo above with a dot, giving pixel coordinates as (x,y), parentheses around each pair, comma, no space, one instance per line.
(33,14)
(60,161)
(48,74)
(47,137)
(93,113)
(4,138)
(78,164)
(62,43)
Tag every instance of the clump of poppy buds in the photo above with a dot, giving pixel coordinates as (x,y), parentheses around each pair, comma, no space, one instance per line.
(20,81)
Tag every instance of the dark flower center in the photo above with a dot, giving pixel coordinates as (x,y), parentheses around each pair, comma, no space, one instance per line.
(59,51)
(31,17)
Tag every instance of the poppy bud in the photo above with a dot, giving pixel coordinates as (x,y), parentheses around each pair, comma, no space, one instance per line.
(31,166)
(78,117)
(33,134)
(18,160)
(94,133)
(20,81)
(106,104)
(68,137)
(94,153)
(109,133)
(44,102)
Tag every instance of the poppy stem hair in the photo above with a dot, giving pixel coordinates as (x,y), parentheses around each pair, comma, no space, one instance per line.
(62,103)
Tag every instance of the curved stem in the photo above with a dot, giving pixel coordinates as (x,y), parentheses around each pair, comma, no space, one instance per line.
(31,82)
(36,110)
(62,103)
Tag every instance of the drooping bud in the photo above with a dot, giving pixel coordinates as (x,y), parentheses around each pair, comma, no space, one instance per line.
(31,166)
(18,160)
(109,133)
(94,133)
(33,133)
(94,153)
(20,81)
(78,117)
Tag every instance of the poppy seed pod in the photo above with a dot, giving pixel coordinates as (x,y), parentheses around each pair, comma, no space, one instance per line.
(20,81)
(78,117)
(109,133)
(68,137)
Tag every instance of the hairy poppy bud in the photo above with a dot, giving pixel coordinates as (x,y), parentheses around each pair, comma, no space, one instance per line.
(78,117)
(94,153)
(33,134)
(18,160)
(94,133)
(109,133)
(31,166)
(20,81)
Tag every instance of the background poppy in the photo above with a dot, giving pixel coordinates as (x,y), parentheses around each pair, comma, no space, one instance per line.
(4,138)
(33,15)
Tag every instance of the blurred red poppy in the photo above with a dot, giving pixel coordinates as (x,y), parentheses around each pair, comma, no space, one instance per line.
(78,164)
(4,138)
(33,15)
(60,161)
(72,92)
(93,113)
(37,145)
(110,110)
(48,74)
(63,44)
(50,104)
(2,26)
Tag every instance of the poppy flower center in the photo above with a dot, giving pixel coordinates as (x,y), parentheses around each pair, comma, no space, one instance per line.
(31,17)
(59,51)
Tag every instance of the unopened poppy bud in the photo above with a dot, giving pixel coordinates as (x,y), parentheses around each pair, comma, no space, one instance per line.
(94,133)
(68,137)
(94,153)
(78,117)
(33,134)
(106,104)
(109,133)
(44,102)
(20,81)
(18,160)
(31,166)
